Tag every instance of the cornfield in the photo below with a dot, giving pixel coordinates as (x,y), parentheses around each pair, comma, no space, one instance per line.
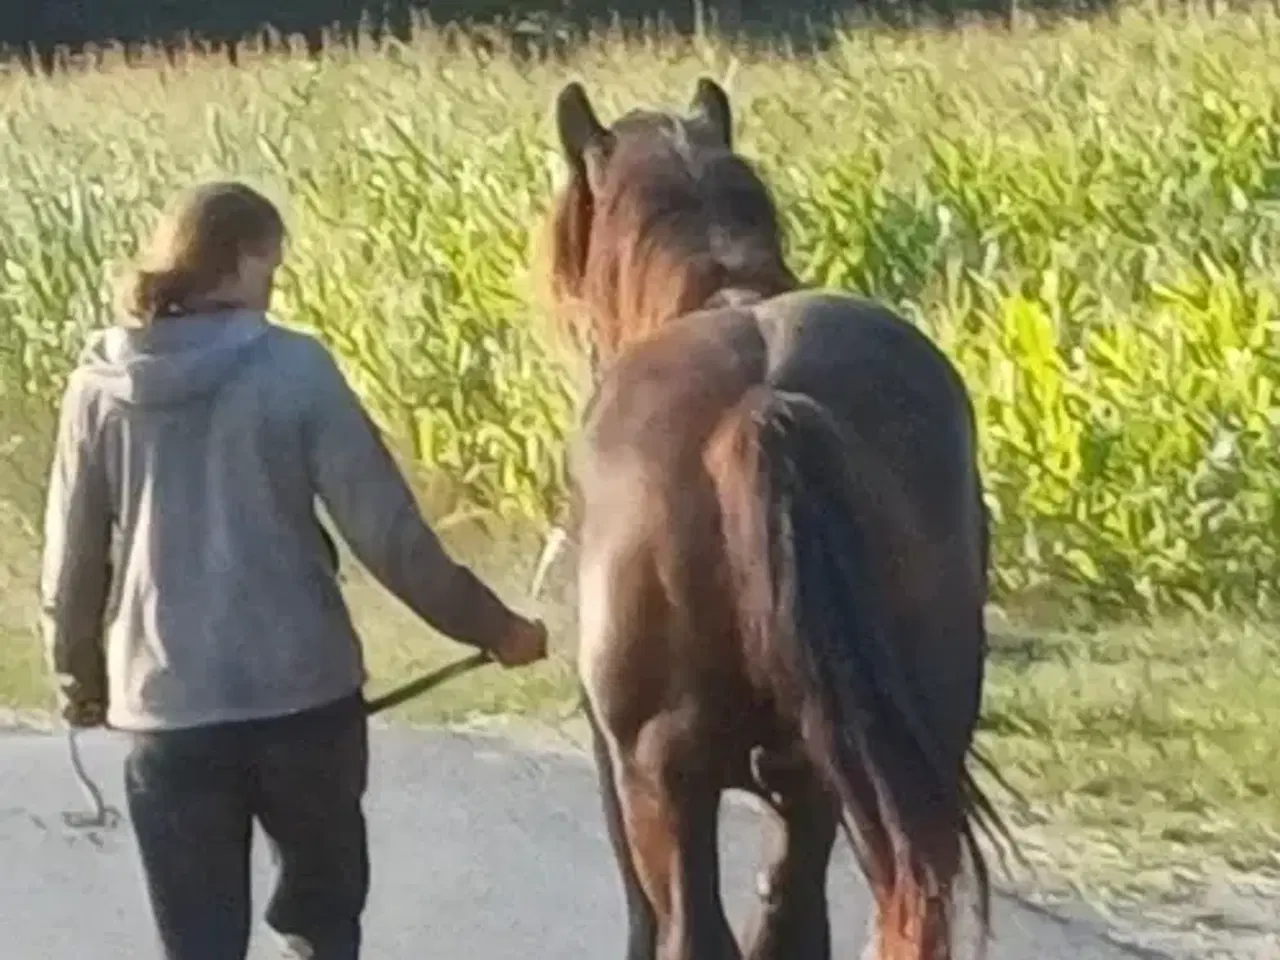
(1084,217)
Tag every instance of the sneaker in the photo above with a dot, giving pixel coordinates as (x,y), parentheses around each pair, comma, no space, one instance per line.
(294,947)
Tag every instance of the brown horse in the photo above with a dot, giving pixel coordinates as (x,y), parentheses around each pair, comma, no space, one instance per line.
(783,553)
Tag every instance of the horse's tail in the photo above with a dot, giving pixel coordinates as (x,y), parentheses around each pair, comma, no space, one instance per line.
(794,505)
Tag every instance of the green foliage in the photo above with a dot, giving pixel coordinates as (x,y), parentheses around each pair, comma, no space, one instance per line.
(1084,218)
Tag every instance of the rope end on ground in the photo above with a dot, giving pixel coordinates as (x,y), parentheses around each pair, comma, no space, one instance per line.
(100,815)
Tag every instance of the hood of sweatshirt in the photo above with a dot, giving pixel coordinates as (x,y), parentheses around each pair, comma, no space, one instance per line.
(173,360)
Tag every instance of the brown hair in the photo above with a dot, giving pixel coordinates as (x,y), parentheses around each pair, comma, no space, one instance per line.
(198,244)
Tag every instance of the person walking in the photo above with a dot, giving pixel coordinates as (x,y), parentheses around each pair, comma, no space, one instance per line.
(190,594)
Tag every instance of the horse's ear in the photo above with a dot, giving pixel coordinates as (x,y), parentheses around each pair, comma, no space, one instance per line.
(711,103)
(579,127)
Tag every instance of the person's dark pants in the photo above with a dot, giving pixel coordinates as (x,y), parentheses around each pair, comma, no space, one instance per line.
(193,796)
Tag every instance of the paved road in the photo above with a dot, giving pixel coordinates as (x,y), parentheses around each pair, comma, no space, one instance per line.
(481,851)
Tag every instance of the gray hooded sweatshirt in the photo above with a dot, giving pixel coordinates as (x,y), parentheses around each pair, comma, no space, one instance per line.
(186,578)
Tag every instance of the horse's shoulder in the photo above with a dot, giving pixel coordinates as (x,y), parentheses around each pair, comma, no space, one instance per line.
(673,387)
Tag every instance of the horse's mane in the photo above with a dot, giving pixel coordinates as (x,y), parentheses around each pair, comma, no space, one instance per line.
(667,217)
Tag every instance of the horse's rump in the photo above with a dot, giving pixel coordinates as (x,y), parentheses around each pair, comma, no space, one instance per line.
(907,426)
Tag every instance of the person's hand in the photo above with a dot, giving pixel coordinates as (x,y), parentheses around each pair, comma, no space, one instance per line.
(84,716)
(524,644)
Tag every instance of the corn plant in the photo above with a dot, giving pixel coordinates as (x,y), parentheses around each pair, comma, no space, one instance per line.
(1084,218)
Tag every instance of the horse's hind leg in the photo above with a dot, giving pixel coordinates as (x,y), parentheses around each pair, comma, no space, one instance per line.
(793,922)
(670,807)
(642,934)
(667,783)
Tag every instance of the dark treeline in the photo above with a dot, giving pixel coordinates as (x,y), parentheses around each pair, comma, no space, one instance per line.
(43,32)
(40,27)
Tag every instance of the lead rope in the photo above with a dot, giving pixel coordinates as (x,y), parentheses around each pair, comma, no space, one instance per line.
(416,688)
(100,816)
(558,535)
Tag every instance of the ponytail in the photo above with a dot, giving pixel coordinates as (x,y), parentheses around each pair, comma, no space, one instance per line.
(148,295)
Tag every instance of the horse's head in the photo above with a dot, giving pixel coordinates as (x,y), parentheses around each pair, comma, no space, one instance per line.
(658,215)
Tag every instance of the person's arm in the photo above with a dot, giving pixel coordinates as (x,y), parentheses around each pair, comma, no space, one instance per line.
(375,512)
(75,577)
